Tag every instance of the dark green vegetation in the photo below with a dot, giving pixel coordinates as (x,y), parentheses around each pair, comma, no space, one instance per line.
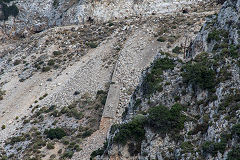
(8,10)
(177,50)
(236,130)
(160,119)
(213,148)
(151,82)
(100,151)
(161,39)
(163,120)
(199,75)
(133,130)
(234,154)
(230,104)
(92,45)
(214,35)
(57,133)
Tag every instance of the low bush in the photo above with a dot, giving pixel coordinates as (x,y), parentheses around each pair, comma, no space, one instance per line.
(236,130)
(46,69)
(92,45)
(151,82)
(161,39)
(67,154)
(234,154)
(57,133)
(210,147)
(50,146)
(133,130)
(199,75)
(8,10)
(177,50)
(164,120)
(214,35)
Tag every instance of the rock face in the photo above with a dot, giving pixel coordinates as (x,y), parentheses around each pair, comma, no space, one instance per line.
(212,107)
(130,79)
(36,16)
(227,19)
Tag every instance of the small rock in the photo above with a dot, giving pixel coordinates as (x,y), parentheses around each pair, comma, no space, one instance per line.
(49,79)
(76,93)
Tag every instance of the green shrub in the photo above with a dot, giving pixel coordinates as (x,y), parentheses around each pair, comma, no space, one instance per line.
(186,147)
(9,10)
(151,82)
(92,45)
(3,127)
(177,50)
(199,128)
(51,62)
(75,113)
(199,75)
(164,120)
(236,129)
(46,69)
(16,139)
(161,39)
(213,148)
(96,153)
(50,146)
(87,133)
(214,35)
(57,133)
(234,154)
(2,93)
(231,102)
(67,154)
(133,130)
(57,53)
(16,62)
(55,3)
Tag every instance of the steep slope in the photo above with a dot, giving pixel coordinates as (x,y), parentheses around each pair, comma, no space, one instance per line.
(63,88)
(186,110)
(57,81)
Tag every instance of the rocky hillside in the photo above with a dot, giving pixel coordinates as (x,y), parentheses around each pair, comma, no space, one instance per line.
(119,79)
(35,16)
(186,109)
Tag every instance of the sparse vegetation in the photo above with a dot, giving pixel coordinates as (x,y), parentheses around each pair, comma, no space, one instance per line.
(151,82)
